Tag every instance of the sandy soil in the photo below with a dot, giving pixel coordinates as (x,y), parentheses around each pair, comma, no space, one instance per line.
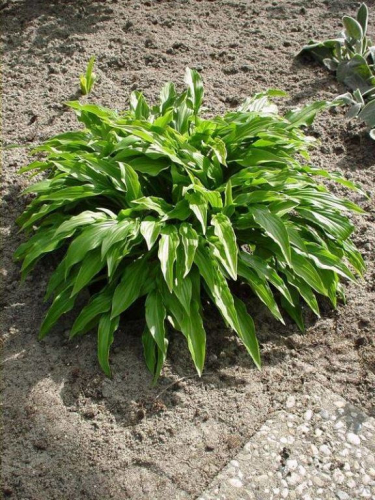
(69,432)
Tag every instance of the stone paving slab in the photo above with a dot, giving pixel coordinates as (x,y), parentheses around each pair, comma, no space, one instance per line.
(319,447)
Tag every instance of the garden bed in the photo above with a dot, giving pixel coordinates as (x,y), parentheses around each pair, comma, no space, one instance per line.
(69,432)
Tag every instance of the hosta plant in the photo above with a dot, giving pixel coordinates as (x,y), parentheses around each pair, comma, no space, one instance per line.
(160,204)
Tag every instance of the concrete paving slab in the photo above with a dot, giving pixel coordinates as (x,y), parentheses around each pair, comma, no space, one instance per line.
(319,447)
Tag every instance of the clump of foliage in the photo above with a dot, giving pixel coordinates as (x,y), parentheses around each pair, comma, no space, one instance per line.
(352,57)
(88,79)
(161,203)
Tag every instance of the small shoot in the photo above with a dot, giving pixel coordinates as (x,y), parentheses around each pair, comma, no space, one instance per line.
(87,81)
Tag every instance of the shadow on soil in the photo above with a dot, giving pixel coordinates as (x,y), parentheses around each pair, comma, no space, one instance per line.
(51,21)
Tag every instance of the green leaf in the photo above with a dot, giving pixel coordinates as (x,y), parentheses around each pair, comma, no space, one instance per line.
(91,265)
(295,311)
(150,230)
(260,288)
(149,352)
(155,319)
(368,114)
(168,243)
(167,97)
(106,329)
(83,219)
(274,228)
(62,304)
(247,331)
(131,286)
(224,231)
(87,80)
(139,106)
(305,291)
(119,232)
(182,286)
(131,181)
(88,240)
(353,27)
(189,240)
(306,115)
(195,89)
(192,328)
(306,270)
(97,306)
(265,271)
(362,17)
(199,206)
(218,288)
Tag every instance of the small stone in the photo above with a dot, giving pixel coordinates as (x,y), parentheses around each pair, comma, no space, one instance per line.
(292,464)
(353,439)
(342,495)
(285,493)
(293,479)
(339,404)
(339,425)
(318,481)
(338,476)
(302,470)
(314,450)
(366,493)
(234,481)
(290,402)
(366,479)
(325,450)
(351,484)
(300,488)
(318,432)
(303,429)
(234,463)
(308,415)
(324,414)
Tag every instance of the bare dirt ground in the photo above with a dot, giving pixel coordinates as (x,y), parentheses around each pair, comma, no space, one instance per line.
(69,432)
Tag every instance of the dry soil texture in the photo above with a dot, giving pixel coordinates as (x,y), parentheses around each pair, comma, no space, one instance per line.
(68,431)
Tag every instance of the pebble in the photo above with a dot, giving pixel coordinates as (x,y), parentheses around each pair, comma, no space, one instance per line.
(292,464)
(325,450)
(353,439)
(351,484)
(366,493)
(338,476)
(308,415)
(293,479)
(234,481)
(290,402)
(318,481)
(285,493)
(342,495)
(302,470)
(314,450)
